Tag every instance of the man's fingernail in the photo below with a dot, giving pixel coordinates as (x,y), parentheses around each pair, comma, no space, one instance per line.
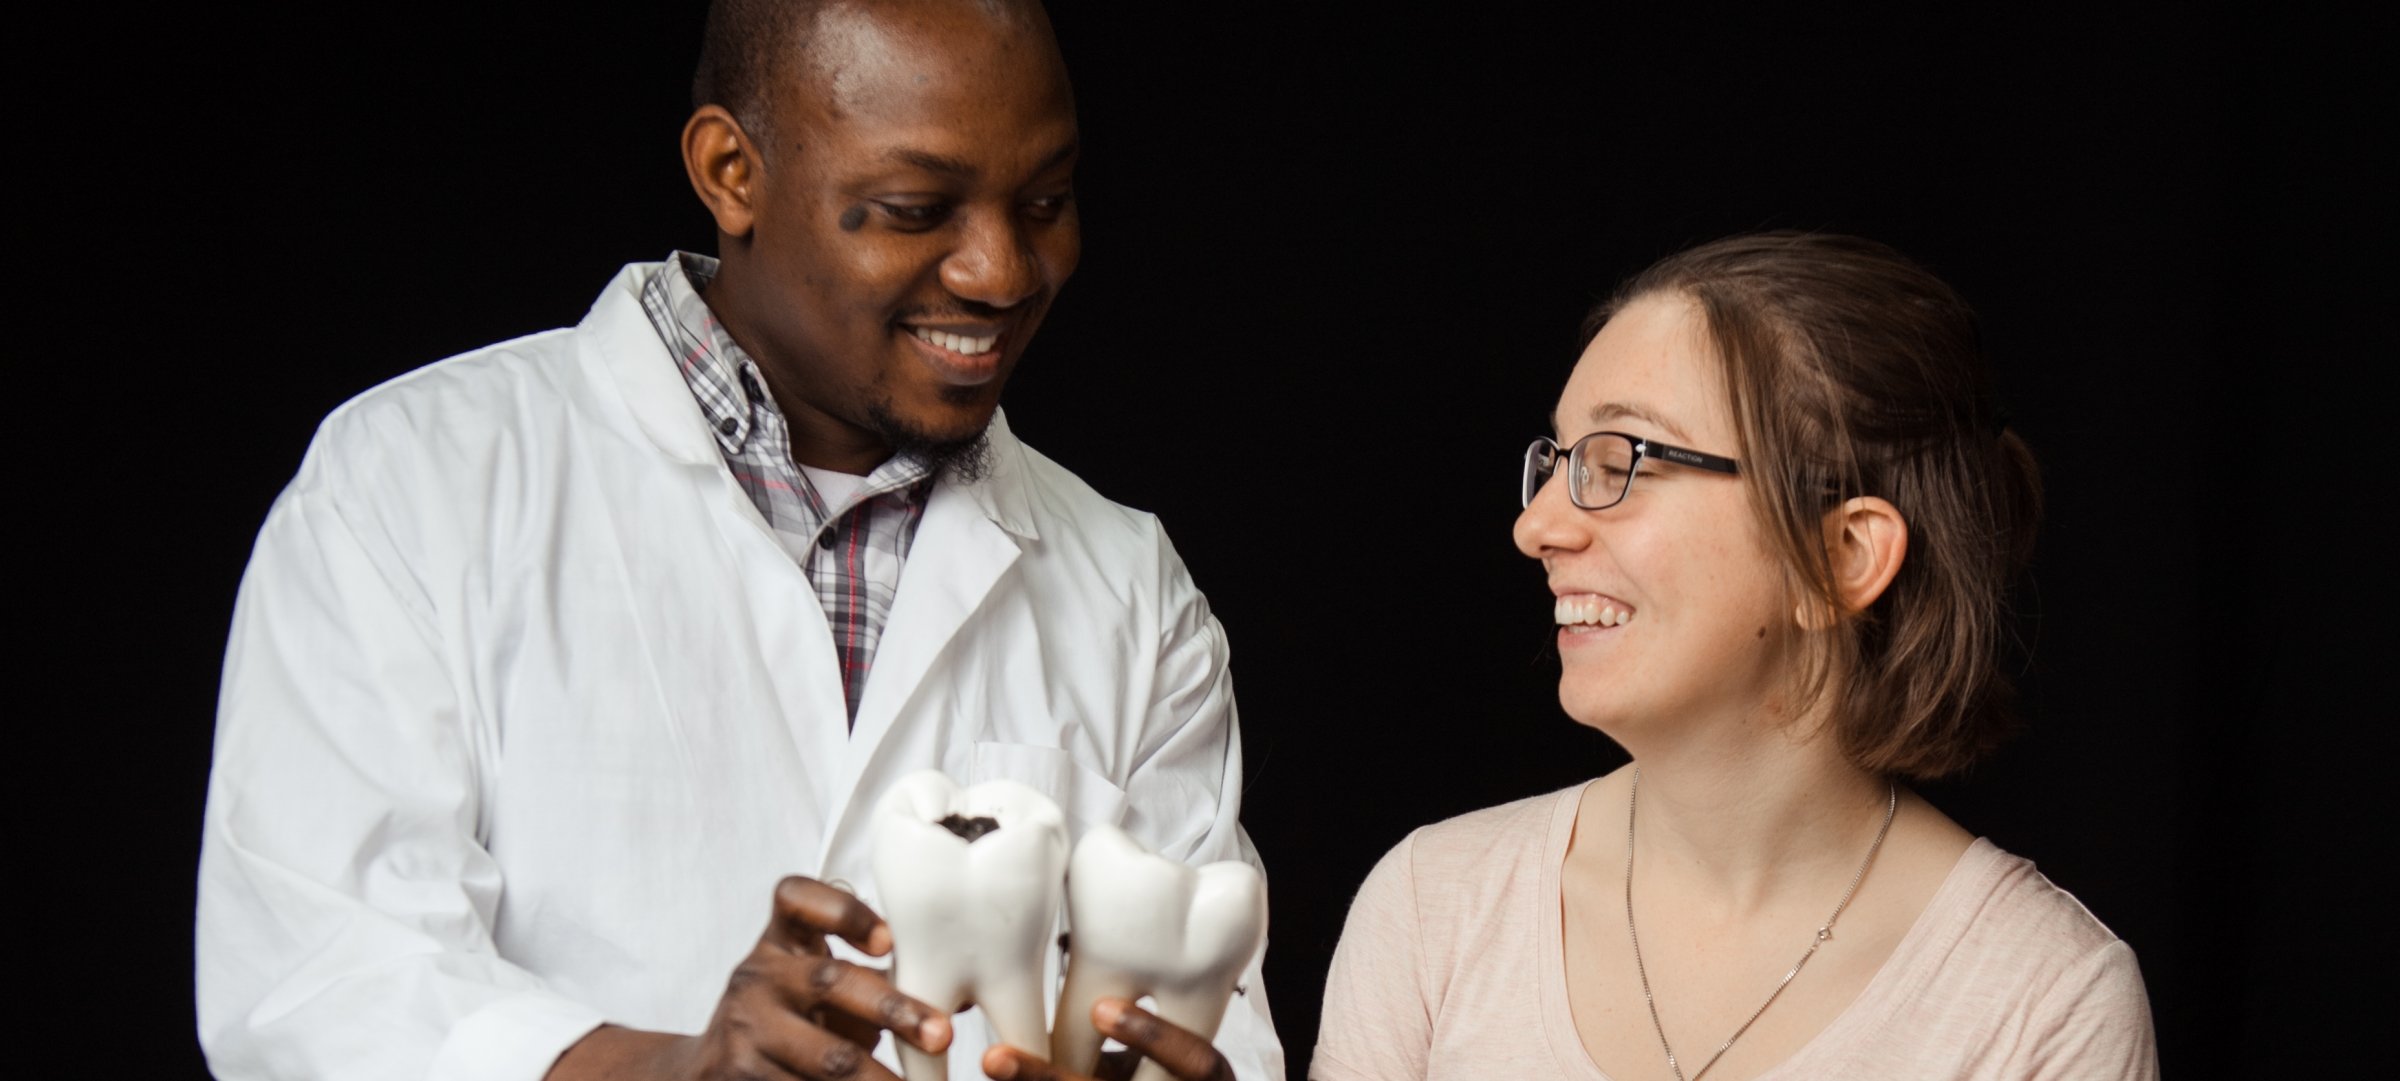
(1108,1012)
(1000,1066)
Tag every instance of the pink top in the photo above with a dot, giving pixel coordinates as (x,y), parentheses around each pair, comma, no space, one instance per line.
(1451,961)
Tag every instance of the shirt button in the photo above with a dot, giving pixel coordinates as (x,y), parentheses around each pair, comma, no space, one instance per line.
(825,540)
(750,388)
(728,426)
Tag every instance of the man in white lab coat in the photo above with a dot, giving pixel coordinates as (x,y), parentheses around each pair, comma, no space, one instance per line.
(556,658)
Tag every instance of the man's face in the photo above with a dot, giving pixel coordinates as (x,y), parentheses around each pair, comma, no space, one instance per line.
(914,218)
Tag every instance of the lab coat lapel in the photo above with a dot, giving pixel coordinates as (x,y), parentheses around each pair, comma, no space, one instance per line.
(968,539)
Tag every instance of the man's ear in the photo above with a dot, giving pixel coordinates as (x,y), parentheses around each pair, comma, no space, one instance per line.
(1865,541)
(723,165)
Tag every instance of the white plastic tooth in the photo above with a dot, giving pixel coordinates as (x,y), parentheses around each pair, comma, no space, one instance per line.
(1143,924)
(971,920)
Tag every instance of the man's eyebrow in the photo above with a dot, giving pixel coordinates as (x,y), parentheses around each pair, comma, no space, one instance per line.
(963,170)
(1065,151)
(930,162)
(1608,411)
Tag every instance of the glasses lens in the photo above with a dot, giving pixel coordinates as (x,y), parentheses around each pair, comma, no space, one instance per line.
(1541,459)
(1603,469)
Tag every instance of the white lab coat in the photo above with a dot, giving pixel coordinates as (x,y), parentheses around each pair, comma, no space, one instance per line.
(525,711)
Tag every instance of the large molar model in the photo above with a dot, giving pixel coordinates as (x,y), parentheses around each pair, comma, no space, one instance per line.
(1143,924)
(969,881)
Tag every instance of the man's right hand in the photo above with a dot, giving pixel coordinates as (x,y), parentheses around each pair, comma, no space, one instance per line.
(791,1010)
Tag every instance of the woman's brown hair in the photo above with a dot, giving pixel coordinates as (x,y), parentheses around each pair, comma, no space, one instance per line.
(1855,372)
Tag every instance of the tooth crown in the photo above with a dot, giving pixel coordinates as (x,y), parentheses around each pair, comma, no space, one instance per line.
(971,920)
(1144,924)
(1586,608)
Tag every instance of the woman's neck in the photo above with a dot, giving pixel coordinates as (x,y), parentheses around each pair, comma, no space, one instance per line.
(1741,820)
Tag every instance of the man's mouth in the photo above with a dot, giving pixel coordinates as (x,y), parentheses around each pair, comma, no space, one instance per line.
(962,344)
(961,355)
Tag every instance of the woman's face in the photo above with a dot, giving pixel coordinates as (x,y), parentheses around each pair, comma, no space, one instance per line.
(1680,559)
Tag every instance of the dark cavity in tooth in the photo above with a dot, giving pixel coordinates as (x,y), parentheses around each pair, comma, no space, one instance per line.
(970,828)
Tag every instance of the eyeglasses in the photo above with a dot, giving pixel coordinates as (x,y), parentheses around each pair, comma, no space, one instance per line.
(1600,467)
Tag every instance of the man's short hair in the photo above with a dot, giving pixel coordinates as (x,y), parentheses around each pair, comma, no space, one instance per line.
(749,46)
(744,50)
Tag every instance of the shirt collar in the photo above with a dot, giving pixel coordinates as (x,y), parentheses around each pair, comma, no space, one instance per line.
(726,382)
(722,378)
(1001,495)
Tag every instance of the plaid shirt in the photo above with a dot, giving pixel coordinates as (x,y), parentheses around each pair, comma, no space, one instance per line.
(853,553)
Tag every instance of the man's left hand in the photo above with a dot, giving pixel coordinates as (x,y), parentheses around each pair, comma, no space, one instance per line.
(1182,1053)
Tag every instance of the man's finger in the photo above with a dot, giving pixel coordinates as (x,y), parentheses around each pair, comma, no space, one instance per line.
(806,910)
(1179,1051)
(828,985)
(1004,1063)
(805,1050)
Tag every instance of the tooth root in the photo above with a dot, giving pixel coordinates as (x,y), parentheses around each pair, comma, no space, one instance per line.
(1143,924)
(971,921)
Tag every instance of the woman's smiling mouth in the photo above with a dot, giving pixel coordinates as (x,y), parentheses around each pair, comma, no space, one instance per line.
(1584,612)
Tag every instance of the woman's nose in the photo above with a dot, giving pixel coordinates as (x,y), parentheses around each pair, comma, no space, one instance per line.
(1551,523)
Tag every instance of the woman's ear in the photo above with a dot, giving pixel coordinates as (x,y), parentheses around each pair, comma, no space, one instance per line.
(1865,541)
(723,168)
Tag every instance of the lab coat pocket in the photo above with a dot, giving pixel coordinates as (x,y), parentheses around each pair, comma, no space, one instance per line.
(1088,798)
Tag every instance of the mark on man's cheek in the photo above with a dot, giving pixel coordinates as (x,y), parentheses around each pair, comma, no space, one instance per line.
(853,219)
(1762,632)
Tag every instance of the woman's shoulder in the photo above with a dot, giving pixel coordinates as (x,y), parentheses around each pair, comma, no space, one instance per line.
(1513,830)
(2008,899)
(1472,862)
(2001,930)
(2003,951)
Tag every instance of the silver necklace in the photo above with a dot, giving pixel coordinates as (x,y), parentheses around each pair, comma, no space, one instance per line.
(1891,803)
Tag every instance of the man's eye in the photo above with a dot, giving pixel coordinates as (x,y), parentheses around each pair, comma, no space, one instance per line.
(1049,207)
(916,214)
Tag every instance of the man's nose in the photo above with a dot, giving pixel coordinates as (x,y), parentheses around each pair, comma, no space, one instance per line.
(994,263)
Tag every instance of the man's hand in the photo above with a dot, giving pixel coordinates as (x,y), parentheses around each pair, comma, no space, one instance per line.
(791,1010)
(1181,1052)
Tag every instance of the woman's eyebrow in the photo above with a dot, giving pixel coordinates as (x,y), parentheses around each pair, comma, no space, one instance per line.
(1608,411)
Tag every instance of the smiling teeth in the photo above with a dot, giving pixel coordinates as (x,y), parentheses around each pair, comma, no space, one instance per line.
(956,343)
(1576,611)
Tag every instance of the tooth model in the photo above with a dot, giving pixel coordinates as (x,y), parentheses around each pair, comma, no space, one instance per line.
(1143,924)
(969,880)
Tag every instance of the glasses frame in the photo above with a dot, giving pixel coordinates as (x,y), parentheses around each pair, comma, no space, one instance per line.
(1644,448)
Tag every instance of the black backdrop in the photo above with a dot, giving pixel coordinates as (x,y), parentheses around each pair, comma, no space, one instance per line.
(1335,258)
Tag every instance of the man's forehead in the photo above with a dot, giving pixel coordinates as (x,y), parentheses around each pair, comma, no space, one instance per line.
(873,59)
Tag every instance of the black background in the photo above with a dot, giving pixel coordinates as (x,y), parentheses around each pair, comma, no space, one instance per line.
(1335,257)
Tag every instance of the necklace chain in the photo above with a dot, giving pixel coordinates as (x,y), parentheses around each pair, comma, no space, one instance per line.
(1891,803)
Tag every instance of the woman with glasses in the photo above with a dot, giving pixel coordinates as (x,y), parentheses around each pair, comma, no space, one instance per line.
(1777,514)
